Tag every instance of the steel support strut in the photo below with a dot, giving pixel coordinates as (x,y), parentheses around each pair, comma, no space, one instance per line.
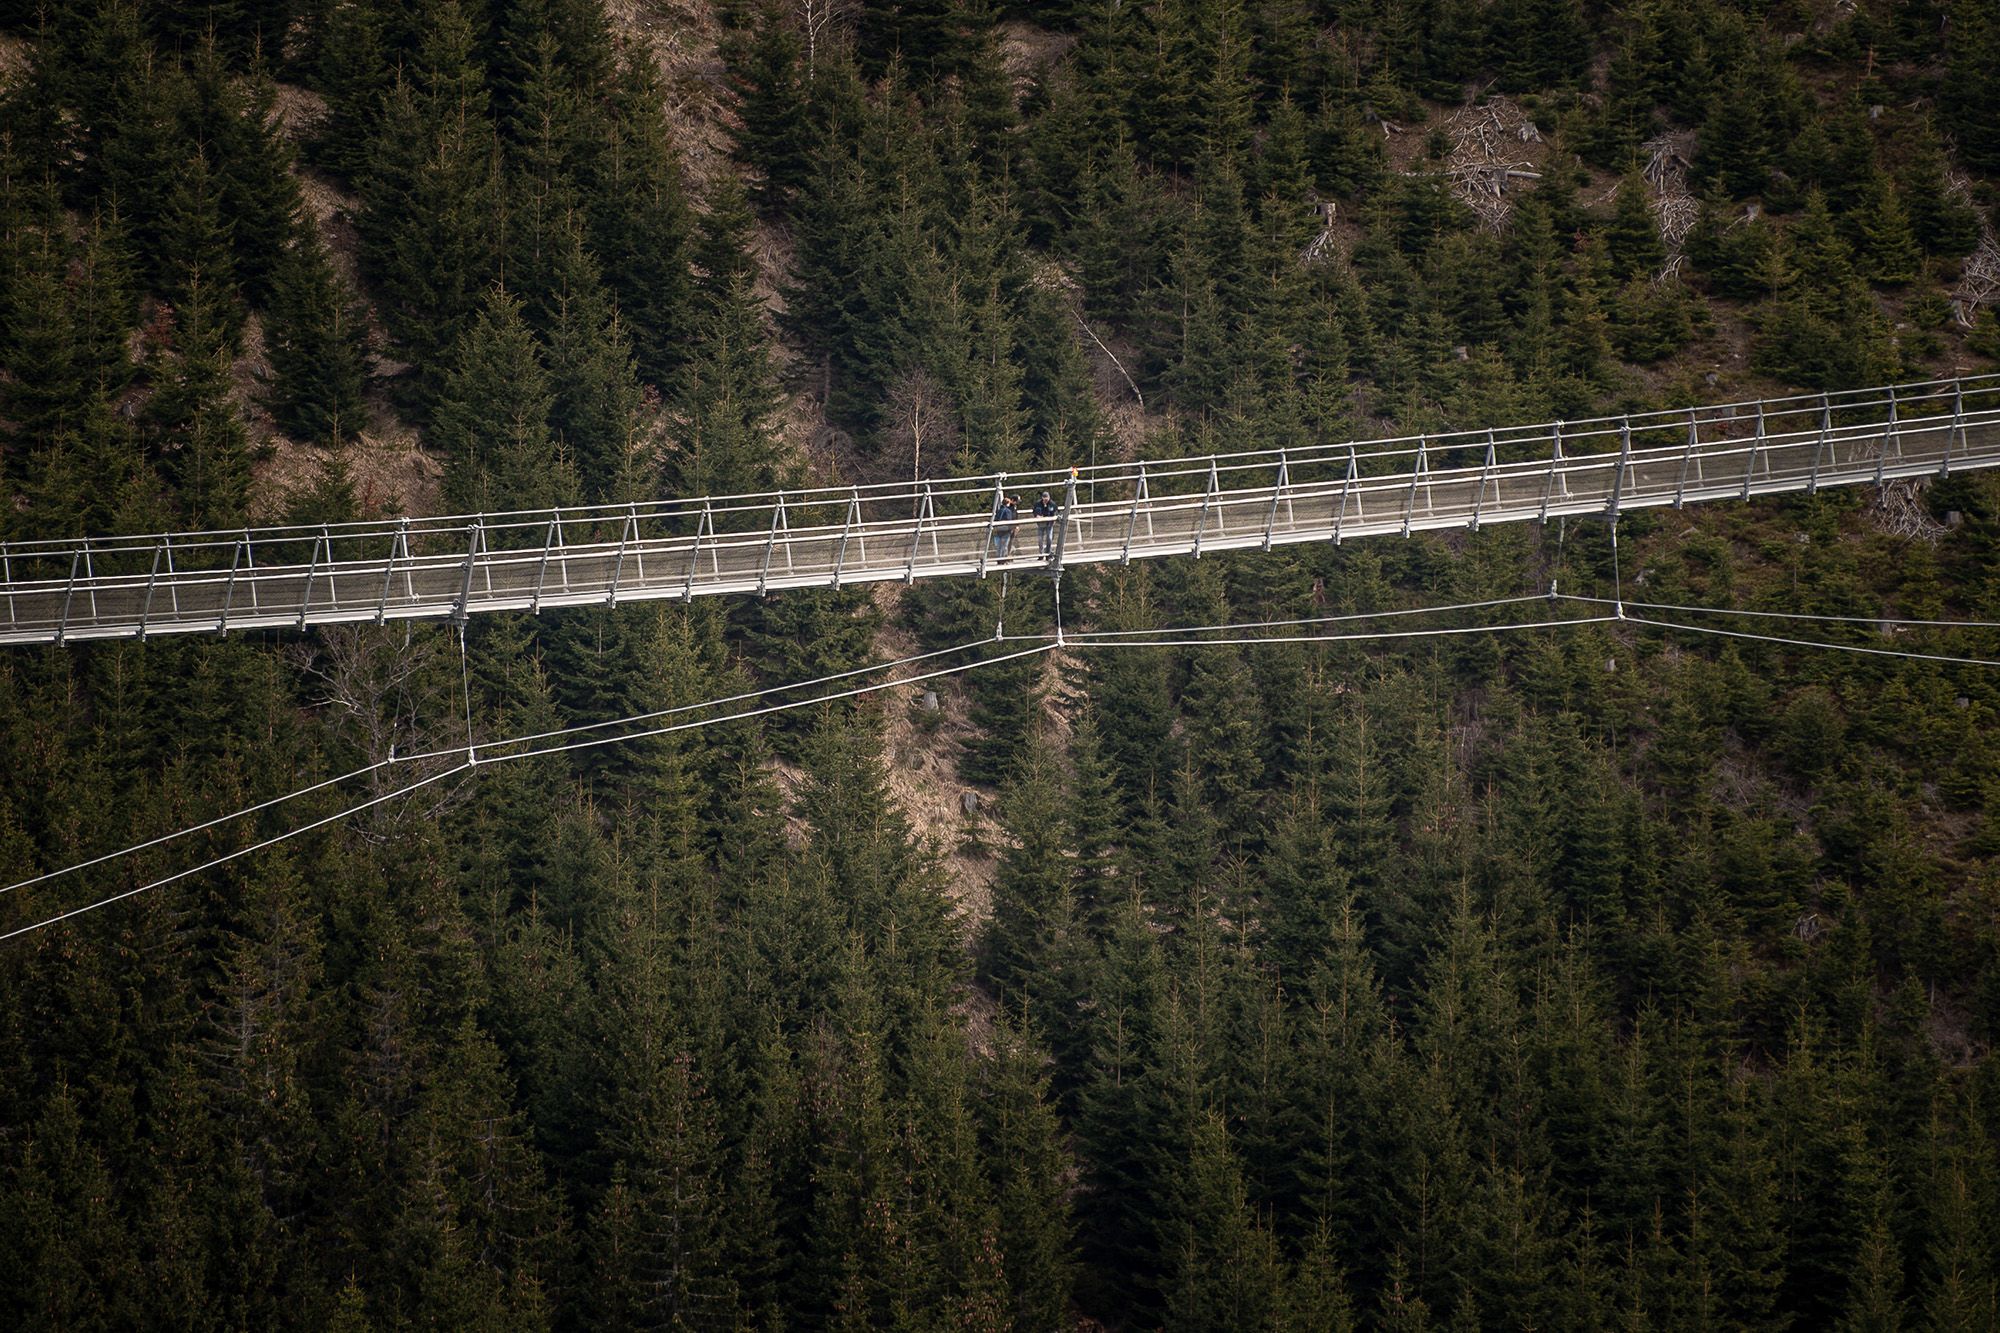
(1140,495)
(1417,474)
(550,540)
(992,517)
(1062,528)
(1277,493)
(1555,461)
(400,543)
(472,545)
(1207,499)
(1756,448)
(1624,462)
(1346,489)
(1694,442)
(1485,471)
(926,511)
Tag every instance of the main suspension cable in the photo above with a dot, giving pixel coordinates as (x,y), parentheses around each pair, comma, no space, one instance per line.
(1796,615)
(395,759)
(1343,618)
(474,760)
(1816,643)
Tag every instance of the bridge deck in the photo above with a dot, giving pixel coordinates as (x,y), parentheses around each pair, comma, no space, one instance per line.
(432,568)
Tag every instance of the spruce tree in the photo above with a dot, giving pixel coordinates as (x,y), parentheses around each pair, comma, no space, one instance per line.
(493,417)
(1030,1163)
(727,404)
(640,225)
(193,422)
(314,335)
(596,407)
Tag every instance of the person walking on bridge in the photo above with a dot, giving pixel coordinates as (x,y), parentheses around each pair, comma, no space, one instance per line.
(1045,510)
(1004,515)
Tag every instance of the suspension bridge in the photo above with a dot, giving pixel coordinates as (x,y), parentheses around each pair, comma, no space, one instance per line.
(456,566)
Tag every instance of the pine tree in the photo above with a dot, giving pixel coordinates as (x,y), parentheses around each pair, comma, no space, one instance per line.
(199,239)
(78,1261)
(429,230)
(1973,56)
(314,335)
(193,422)
(596,407)
(1223,1268)
(1632,240)
(1944,225)
(493,417)
(772,96)
(1031,1166)
(727,403)
(640,226)
(1033,890)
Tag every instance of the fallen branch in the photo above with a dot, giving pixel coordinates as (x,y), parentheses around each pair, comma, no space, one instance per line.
(1084,324)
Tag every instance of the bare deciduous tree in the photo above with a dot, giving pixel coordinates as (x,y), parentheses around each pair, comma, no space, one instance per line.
(920,410)
(392,694)
(817,19)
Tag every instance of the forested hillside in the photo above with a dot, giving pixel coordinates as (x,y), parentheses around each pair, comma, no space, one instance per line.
(1567,978)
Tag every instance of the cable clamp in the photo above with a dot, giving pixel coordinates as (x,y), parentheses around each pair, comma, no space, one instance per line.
(1552,590)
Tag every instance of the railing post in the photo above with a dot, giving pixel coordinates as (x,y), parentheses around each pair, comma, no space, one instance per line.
(7,576)
(1207,498)
(250,563)
(1485,471)
(925,510)
(229,588)
(152,579)
(707,525)
(400,542)
(1067,517)
(1624,462)
(770,544)
(625,534)
(76,559)
(1139,496)
(549,540)
(1549,486)
(1891,436)
(1277,493)
(458,612)
(992,517)
(1819,446)
(1346,490)
(312,573)
(173,584)
(1417,473)
(1957,425)
(1694,442)
(846,527)
(1756,448)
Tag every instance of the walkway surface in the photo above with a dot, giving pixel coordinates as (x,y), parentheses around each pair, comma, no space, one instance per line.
(430,568)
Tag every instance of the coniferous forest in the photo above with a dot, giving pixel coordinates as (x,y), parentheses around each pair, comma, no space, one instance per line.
(1579,978)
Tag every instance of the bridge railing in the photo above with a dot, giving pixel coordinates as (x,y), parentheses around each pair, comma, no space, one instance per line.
(529,559)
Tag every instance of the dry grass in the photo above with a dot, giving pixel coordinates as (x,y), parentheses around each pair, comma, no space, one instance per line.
(682,36)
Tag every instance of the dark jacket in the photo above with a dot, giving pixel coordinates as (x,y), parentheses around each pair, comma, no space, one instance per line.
(1045,509)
